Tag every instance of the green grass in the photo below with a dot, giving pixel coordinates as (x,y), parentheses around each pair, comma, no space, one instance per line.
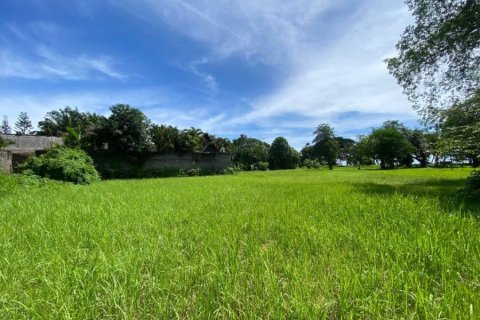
(360,244)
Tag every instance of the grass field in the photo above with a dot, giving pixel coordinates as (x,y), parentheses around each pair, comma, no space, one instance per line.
(287,244)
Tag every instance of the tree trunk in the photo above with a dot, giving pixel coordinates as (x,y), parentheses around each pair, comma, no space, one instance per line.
(475,162)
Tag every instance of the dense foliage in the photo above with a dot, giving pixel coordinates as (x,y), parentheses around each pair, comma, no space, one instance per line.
(390,146)
(439,54)
(128,134)
(325,144)
(282,155)
(64,164)
(460,130)
(249,152)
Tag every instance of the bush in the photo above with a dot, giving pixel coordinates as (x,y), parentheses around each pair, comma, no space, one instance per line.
(311,164)
(262,166)
(64,164)
(472,186)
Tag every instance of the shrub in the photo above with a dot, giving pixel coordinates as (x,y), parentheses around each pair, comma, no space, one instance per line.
(472,186)
(64,164)
(262,166)
(311,164)
(4,142)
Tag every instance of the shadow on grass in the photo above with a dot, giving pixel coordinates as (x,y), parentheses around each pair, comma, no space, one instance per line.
(446,191)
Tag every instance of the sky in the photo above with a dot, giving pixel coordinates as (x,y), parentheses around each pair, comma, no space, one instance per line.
(265,68)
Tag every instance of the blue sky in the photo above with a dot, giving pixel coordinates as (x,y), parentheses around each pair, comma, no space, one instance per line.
(264,68)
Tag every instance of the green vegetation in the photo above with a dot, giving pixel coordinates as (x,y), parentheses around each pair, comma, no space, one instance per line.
(23,125)
(437,60)
(64,164)
(282,155)
(347,243)
(325,145)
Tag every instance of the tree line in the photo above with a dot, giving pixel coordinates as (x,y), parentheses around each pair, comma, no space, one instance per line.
(128,131)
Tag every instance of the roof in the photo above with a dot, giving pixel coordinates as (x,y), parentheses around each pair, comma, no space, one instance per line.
(29,143)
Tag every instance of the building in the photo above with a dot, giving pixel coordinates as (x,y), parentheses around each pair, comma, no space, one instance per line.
(19,148)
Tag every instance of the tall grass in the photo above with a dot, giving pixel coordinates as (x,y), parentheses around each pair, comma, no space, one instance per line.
(288,244)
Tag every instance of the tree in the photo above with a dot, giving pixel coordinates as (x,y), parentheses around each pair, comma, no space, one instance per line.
(166,138)
(191,140)
(460,130)
(57,122)
(390,146)
(362,151)
(307,153)
(95,132)
(87,130)
(249,152)
(23,125)
(432,144)
(5,127)
(345,146)
(421,148)
(128,130)
(282,155)
(223,145)
(325,145)
(438,56)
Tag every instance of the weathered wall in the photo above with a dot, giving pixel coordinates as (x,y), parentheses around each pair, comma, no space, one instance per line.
(30,143)
(20,148)
(5,161)
(217,161)
(115,166)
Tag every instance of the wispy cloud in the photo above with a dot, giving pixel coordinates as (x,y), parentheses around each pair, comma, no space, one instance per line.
(313,61)
(331,52)
(32,51)
(46,63)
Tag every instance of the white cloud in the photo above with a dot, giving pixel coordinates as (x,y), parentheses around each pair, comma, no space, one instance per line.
(331,53)
(153,102)
(30,51)
(46,63)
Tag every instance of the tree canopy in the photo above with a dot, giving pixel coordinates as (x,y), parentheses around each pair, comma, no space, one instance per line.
(128,129)
(325,145)
(460,130)
(249,152)
(438,55)
(23,125)
(282,155)
(390,146)
(5,127)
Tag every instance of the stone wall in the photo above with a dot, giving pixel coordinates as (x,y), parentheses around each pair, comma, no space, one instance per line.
(5,161)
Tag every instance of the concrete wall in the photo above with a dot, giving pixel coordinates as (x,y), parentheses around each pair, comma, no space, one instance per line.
(5,161)
(30,143)
(23,147)
(218,161)
(115,166)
